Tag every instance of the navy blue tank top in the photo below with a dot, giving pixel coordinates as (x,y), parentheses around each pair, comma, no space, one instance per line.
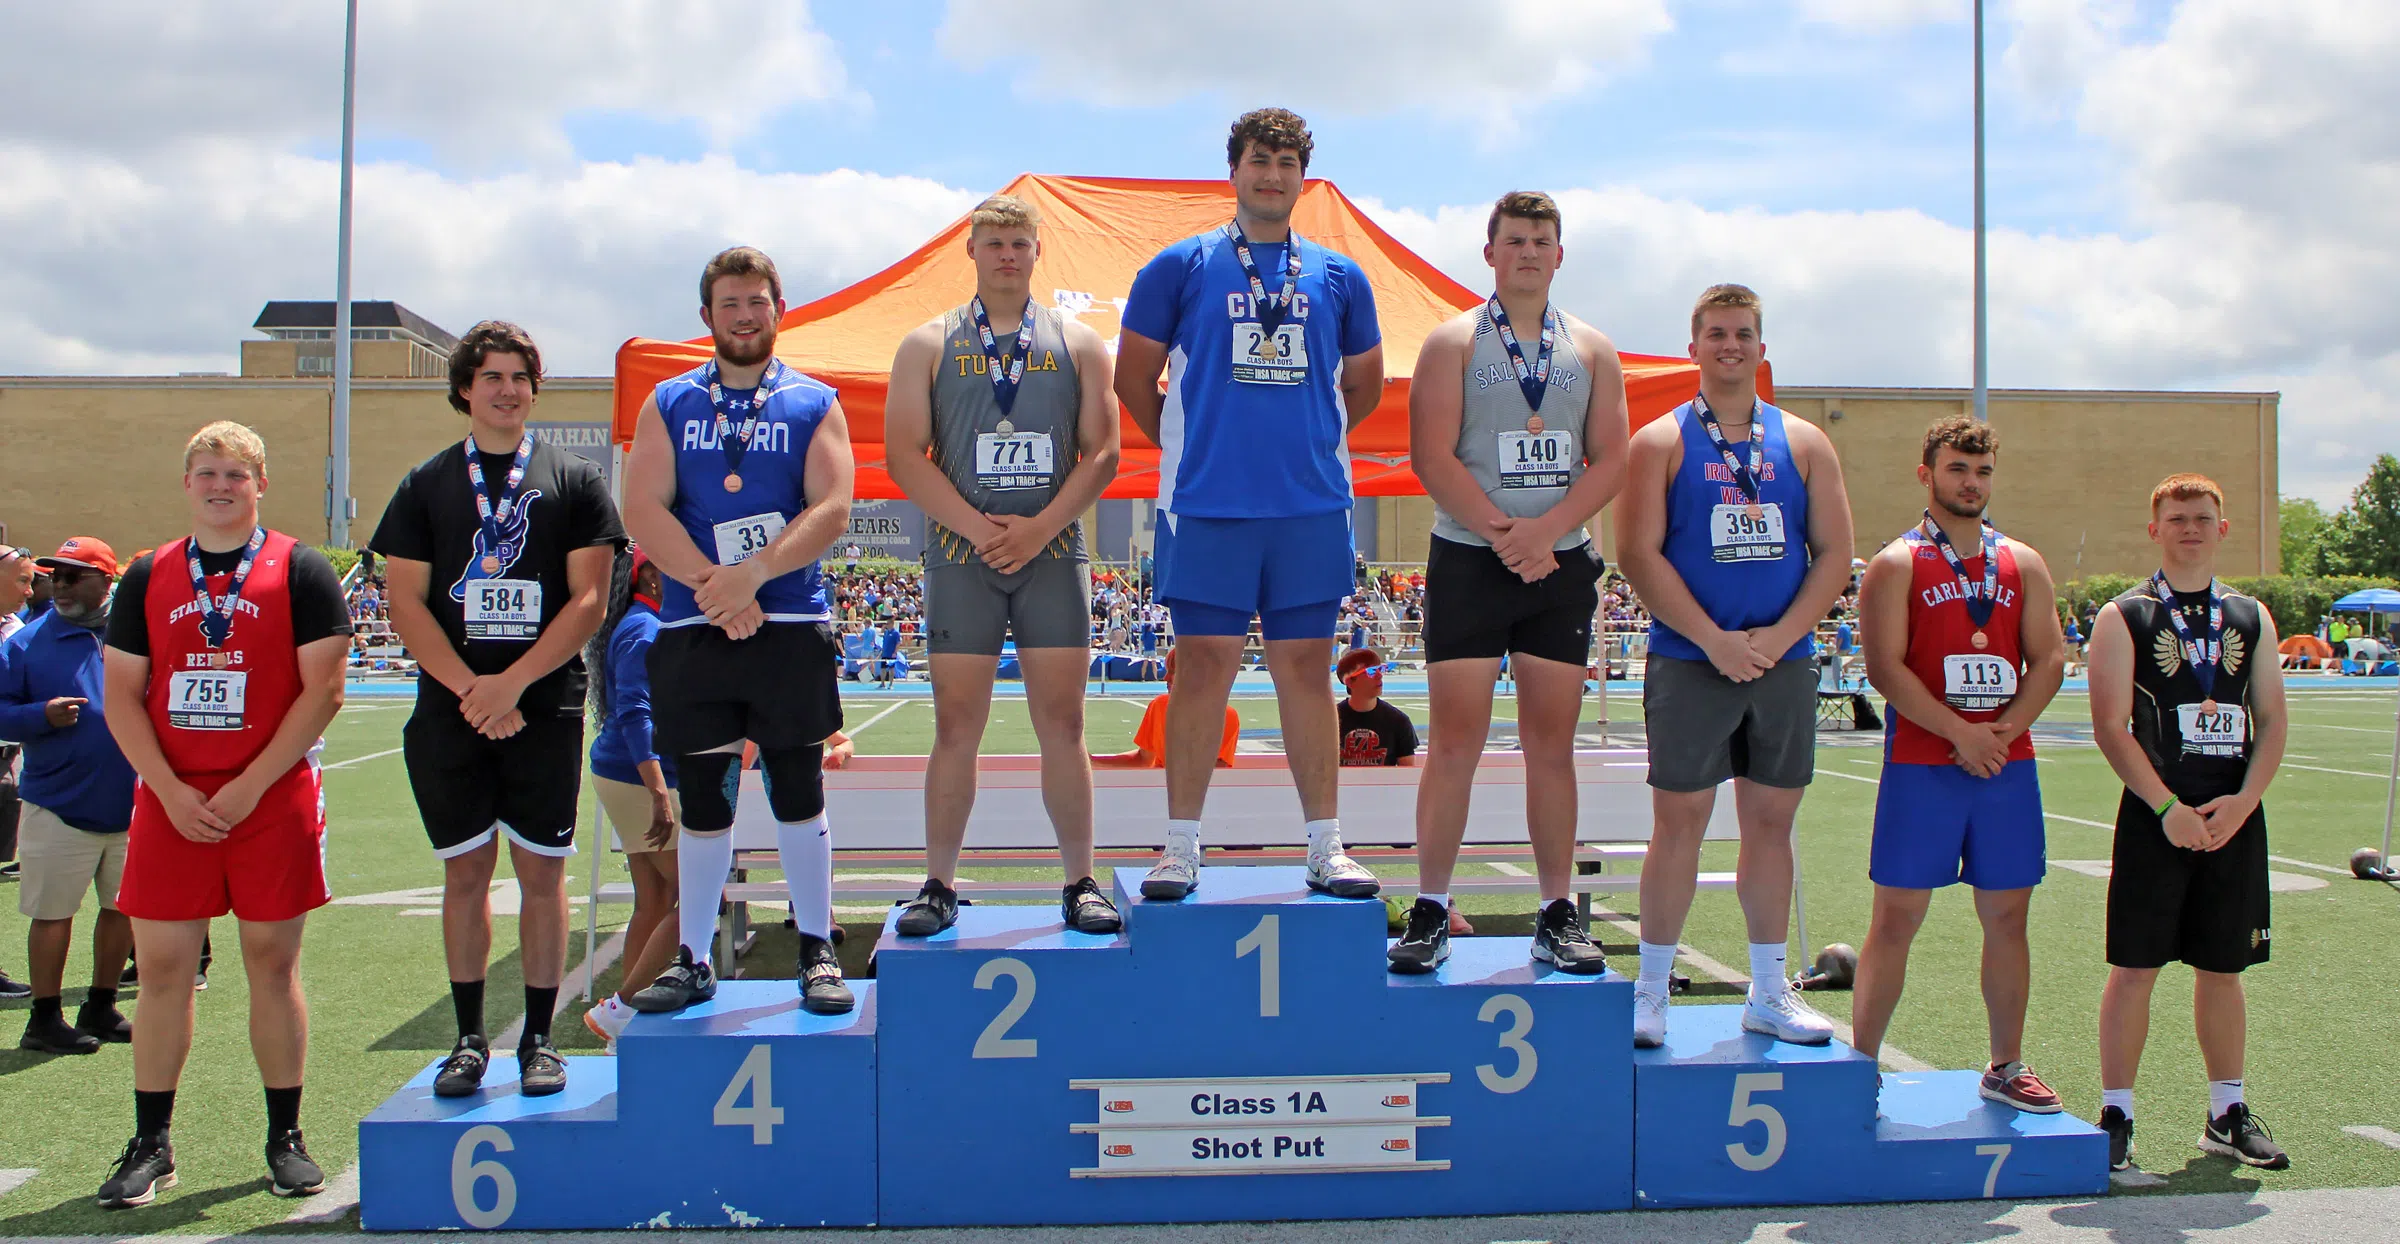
(729,526)
(1736,566)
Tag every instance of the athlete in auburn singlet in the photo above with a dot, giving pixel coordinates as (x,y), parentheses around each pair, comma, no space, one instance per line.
(1001,425)
(739,480)
(1736,536)
(2187,704)
(1962,637)
(225,654)
(1518,420)
(1275,354)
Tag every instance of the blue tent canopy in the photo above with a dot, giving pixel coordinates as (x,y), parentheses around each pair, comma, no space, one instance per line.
(2370,600)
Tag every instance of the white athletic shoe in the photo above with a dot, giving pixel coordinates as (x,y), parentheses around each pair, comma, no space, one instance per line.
(1783,1016)
(1335,873)
(606,1018)
(1650,1018)
(1176,874)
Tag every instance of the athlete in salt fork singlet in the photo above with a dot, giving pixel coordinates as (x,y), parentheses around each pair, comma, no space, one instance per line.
(1001,425)
(1962,637)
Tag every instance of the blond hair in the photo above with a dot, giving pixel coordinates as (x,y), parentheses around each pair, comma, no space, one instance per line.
(1729,295)
(227,439)
(1004,211)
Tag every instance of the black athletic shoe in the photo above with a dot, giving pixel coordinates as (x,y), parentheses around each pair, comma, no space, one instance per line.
(1559,940)
(1426,941)
(290,1171)
(132,975)
(10,987)
(934,909)
(540,1071)
(1087,910)
(145,1169)
(682,984)
(105,1023)
(2119,1126)
(47,1033)
(462,1073)
(2239,1135)
(821,989)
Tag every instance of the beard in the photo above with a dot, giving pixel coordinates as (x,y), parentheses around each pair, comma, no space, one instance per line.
(761,348)
(90,617)
(1961,509)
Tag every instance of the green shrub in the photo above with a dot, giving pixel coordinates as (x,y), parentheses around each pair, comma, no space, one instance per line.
(2296,601)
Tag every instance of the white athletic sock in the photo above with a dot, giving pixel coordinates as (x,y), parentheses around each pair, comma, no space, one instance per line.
(1443,899)
(1766,970)
(805,849)
(704,861)
(2222,1094)
(2122,1099)
(1657,962)
(1183,837)
(1324,836)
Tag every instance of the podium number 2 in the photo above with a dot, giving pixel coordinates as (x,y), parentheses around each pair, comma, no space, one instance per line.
(757,1073)
(995,1041)
(1267,941)
(1512,1039)
(1746,1112)
(466,1172)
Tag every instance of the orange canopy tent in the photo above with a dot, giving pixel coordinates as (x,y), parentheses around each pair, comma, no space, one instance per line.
(1096,233)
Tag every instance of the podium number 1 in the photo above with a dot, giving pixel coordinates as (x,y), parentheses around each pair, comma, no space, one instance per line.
(1745,1112)
(1267,941)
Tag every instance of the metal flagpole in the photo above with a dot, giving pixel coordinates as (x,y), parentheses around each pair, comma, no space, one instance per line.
(1983,392)
(338,505)
(2392,791)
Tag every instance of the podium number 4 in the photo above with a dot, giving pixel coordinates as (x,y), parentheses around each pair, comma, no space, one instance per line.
(1745,1112)
(995,1041)
(466,1172)
(757,1073)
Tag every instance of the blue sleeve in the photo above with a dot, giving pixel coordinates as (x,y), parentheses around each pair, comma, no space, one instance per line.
(21,717)
(1360,332)
(629,684)
(1155,305)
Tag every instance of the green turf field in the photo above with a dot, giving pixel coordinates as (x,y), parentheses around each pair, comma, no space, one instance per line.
(2320,1031)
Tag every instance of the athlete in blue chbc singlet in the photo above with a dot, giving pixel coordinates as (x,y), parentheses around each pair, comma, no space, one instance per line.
(1737,537)
(739,481)
(1274,356)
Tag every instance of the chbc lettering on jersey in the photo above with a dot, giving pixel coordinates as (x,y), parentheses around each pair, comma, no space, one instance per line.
(977,365)
(770,438)
(1237,306)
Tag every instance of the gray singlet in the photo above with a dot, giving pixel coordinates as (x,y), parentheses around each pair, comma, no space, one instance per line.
(1495,405)
(964,408)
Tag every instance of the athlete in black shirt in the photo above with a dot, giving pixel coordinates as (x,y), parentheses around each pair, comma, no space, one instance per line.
(1373,732)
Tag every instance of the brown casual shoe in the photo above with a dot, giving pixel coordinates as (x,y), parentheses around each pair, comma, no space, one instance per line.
(2014,1084)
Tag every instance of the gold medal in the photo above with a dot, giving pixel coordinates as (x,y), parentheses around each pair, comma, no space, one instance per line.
(219,660)
(1534,424)
(1981,641)
(1269,348)
(1006,428)
(2209,707)
(733,483)
(491,565)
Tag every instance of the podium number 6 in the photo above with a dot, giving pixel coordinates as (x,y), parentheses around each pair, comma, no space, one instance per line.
(995,1041)
(1520,1022)
(465,1171)
(1746,1112)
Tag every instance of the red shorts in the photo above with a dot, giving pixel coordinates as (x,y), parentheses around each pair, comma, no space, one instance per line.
(271,868)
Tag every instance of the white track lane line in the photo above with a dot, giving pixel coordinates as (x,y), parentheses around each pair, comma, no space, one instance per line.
(334,1203)
(2380,777)
(862,729)
(360,760)
(2381,1136)
(16,1177)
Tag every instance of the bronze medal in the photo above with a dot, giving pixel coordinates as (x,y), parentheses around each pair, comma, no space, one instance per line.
(2209,707)
(733,483)
(1981,641)
(1534,424)
(491,565)
(219,660)
(1756,511)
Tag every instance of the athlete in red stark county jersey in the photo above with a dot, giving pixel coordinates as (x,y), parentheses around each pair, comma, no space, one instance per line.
(1962,637)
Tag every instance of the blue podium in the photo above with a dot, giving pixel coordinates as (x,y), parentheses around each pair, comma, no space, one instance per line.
(1240,1055)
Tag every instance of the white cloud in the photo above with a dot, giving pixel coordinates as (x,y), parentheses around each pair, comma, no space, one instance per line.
(1344,56)
(2055,46)
(1877,13)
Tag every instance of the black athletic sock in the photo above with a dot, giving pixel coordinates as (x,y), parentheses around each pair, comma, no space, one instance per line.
(466,998)
(101,999)
(52,1007)
(152,1113)
(283,1112)
(540,1005)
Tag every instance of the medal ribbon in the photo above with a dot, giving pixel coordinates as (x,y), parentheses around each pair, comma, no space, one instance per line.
(736,442)
(1534,380)
(1979,608)
(1270,313)
(216,628)
(1006,374)
(2203,656)
(1744,475)
(493,519)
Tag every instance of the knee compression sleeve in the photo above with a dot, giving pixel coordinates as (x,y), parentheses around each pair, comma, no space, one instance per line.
(795,782)
(709,783)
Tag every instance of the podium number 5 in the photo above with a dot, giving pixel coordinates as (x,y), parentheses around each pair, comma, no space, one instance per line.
(1267,941)
(1746,1112)
(466,1172)
(1512,1039)
(995,1041)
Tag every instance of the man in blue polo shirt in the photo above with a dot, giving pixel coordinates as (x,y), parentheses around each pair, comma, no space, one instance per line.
(78,799)
(1272,354)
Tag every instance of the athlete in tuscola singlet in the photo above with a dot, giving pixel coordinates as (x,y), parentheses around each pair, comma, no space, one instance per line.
(1517,426)
(1001,425)
(1962,637)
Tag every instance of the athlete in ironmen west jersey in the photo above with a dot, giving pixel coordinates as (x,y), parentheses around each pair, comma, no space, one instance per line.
(1962,637)
(1001,425)
(2187,704)
(1275,354)
(1517,426)
(1737,536)
(225,653)
(739,481)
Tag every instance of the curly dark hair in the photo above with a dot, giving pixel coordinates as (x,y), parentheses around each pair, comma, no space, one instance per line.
(1276,129)
(481,342)
(1964,433)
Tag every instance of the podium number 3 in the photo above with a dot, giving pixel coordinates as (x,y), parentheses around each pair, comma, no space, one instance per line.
(1746,1112)
(995,1041)
(1267,942)
(466,1172)
(1512,1039)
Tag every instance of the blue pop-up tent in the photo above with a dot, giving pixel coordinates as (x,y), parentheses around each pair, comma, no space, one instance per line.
(2369,600)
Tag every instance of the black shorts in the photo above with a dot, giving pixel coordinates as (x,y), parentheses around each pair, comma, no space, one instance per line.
(2204,908)
(1476,608)
(469,788)
(778,688)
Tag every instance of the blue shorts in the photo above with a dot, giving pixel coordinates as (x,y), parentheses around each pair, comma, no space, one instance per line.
(1936,825)
(1215,574)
